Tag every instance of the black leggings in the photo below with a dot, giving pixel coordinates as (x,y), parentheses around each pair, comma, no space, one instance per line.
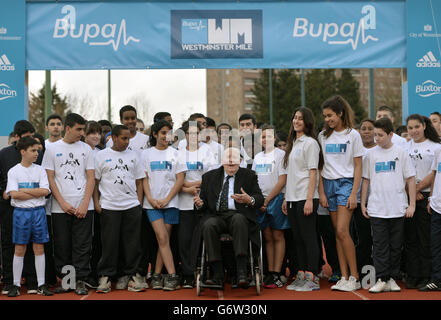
(305,232)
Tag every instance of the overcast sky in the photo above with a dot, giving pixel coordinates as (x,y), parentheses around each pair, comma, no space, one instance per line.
(180,92)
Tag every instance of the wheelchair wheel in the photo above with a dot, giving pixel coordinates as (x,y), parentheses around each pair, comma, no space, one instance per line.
(198,284)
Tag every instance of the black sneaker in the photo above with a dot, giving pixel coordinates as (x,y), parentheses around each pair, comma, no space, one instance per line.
(81,288)
(44,290)
(60,289)
(7,288)
(14,291)
(171,282)
(431,286)
(277,281)
(422,282)
(91,282)
(32,289)
(188,283)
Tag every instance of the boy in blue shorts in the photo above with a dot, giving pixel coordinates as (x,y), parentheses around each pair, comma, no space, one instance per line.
(27,186)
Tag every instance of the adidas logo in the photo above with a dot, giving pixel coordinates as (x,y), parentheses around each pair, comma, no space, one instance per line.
(5,64)
(428,61)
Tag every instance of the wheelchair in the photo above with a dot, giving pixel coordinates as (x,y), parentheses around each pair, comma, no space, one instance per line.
(255,264)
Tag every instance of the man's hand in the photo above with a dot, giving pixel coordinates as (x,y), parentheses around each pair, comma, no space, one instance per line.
(323,200)
(67,207)
(410,211)
(5,195)
(98,208)
(419,196)
(307,209)
(352,202)
(81,211)
(197,201)
(242,197)
(285,208)
(364,211)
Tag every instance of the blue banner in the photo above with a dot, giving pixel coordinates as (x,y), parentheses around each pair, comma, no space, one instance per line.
(137,35)
(12,64)
(424,56)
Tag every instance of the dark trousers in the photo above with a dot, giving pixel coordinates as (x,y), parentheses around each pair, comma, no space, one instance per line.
(326,231)
(435,242)
(50,274)
(188,220)
(417,241)
(96,245)
(120,229)
(230,222)
(149,245)
(363,236)
(290,259)
(8,249)
(387,236)
(72,242)
(304,229)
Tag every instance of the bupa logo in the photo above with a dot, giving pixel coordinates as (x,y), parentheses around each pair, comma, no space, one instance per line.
(5,64)
(264,168)
(336,148)
(388,166)
(195,166)
(428,61)
(160,165)
(439,167)
(6,92)
(427,88)
(348,33)
(92,34)
(202,34)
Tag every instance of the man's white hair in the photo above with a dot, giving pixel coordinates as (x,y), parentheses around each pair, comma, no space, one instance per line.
(232,152)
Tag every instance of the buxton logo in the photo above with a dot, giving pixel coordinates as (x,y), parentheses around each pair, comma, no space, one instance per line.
(5,64)
(427,88)
(216,34)
(91,34)
(6,92)
(348,32)
(428,61)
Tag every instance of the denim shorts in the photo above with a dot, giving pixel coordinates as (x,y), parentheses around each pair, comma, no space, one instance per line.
(29,225)
(170,215)
(337,192)
(273,216)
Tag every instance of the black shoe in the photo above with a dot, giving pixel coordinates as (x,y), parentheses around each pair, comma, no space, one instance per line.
(91,282)
(44,290)
(60,289)
(32,289)
(188,283)
(411,283)
(242,280)
(431,286)
(14,291)
(81,288)
(216,284)
(422,282)
(7,288)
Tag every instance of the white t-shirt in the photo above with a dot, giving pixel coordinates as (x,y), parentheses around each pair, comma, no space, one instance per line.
(387,170)
(268,168)
(435,199)
(216,149)
(304,156)
(118,172)
(422,155)
(161,167)
(69,163)
(49,143)
(32,177)
(339,151)
(399,141)
(138,142)
(196,164)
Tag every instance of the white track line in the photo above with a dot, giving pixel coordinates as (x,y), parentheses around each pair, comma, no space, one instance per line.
(360,295)
(220,294)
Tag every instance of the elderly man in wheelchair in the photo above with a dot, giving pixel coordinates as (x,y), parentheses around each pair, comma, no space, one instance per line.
(228,199)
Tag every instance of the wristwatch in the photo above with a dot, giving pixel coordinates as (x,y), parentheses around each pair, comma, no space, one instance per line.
(253,201)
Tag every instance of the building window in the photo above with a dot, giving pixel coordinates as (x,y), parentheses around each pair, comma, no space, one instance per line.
(249,82)
(249,106)
(249,94)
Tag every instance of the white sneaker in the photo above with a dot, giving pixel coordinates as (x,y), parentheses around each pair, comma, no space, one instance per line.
(380,286)
(140,279)
(351,285)
(298,282)
(393,286)
(340,284)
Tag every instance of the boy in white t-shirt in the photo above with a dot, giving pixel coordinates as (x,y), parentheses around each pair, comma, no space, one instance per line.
(119,174)
(27,186)
(386,171)
(69,164)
